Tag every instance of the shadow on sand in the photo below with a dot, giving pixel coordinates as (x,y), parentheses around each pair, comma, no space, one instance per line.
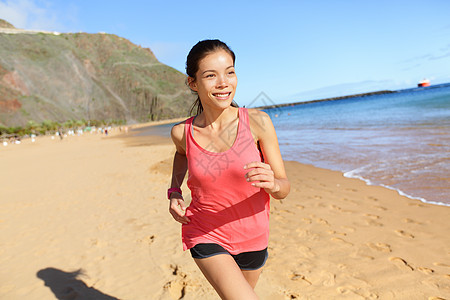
(68,286)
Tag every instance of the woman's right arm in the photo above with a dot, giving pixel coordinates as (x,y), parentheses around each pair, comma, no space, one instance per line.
(177,206)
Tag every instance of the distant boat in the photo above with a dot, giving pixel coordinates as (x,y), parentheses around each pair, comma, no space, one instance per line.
(423,83)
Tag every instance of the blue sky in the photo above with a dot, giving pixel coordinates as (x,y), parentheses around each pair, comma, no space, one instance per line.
(290,50)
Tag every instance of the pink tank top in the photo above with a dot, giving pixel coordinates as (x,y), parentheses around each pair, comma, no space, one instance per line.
(225,208)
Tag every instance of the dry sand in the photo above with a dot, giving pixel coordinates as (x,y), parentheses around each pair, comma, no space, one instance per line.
(87,218)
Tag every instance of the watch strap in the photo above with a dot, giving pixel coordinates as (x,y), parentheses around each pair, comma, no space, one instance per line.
(174,189)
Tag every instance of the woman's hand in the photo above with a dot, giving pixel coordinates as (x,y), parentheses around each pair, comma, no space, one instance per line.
(177,208)
(262,176)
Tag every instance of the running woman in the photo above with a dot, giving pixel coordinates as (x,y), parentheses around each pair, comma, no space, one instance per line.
(234,163)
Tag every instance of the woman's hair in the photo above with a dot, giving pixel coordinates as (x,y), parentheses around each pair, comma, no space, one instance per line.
(197,53)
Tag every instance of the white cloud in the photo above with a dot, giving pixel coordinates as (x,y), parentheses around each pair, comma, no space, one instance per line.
(29,14)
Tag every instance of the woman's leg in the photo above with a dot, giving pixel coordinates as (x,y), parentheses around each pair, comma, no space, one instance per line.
(225,276)
(252,276)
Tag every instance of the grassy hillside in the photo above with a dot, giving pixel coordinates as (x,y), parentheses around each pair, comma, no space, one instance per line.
(5,24)
(85,76)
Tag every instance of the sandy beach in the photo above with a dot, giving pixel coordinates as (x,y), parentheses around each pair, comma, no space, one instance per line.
(87,218)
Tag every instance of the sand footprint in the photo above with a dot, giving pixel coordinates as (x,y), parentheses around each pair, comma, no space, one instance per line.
(427,271)
(349,200)
(371,221)
(373,217)
(403,233)
(306,220)
(380,207)
(374,223)
(407,220)
(339,240)
(177,287)
(401,263)
(381,247)
(299,277)
(345,289)
(356,288)
(416,204)
(332,206)
(330,279)
(322,221)
(349,229)
(335,232)
(355,292)
(441,264)
(305,251)
(309,235)
(349,290)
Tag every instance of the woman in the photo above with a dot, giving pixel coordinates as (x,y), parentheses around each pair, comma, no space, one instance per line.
(226,226)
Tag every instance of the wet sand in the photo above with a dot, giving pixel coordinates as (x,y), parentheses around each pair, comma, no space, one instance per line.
(88,217)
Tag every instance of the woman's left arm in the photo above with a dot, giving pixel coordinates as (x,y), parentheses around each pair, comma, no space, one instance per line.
(269,174)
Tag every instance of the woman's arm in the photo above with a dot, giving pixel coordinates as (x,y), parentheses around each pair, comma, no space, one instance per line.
(177,206)
(179,169)
(271,174)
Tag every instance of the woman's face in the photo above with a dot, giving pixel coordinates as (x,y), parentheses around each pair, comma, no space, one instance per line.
(216,80)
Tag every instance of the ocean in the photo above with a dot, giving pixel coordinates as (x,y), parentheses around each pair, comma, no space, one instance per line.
(400,140)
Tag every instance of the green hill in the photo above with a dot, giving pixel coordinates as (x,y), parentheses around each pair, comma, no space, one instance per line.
(74,76)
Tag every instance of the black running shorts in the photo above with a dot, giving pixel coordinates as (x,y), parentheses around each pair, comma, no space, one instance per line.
(252,260)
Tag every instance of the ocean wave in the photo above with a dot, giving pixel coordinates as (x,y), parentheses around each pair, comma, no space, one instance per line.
(353,174)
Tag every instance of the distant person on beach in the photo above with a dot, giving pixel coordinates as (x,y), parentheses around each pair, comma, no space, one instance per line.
(234,164)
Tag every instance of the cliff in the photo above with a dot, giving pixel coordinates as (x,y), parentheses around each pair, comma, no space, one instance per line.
(74,76)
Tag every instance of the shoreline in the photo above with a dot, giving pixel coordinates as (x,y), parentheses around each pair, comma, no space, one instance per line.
(347,174)
(400,192)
